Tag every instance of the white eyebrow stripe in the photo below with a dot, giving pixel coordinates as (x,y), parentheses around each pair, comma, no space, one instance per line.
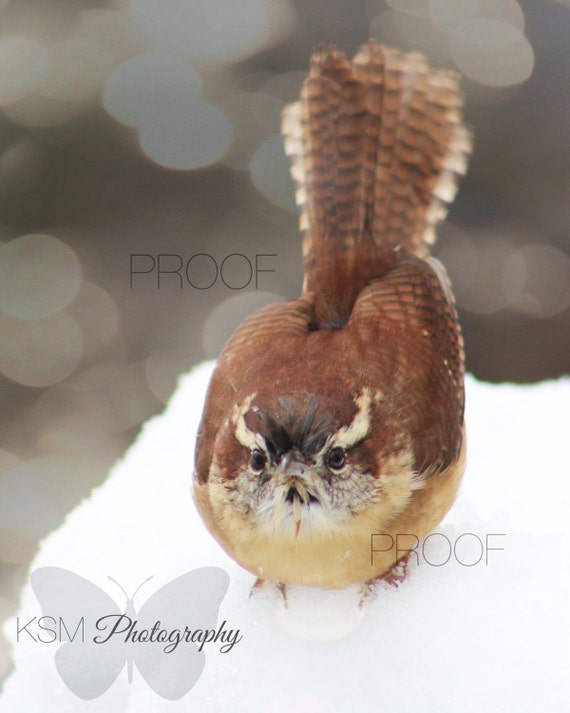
(347,436)
(244,435)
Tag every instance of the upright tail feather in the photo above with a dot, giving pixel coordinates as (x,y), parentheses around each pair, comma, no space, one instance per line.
(377,145)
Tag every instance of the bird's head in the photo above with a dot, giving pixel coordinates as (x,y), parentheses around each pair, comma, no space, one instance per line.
(300,463)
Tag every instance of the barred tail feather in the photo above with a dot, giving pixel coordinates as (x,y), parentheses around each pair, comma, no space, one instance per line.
(377,146)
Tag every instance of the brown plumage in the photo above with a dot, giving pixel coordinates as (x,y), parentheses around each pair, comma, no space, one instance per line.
(340,414)
(376,146)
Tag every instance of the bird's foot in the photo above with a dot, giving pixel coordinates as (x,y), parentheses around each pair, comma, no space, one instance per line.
(259,583)
(394,577)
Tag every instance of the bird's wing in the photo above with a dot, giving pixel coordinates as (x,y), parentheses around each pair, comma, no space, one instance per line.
(410,338)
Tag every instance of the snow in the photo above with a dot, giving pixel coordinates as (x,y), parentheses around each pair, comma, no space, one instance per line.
(494,636)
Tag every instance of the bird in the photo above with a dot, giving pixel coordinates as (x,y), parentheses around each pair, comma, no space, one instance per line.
(339,416)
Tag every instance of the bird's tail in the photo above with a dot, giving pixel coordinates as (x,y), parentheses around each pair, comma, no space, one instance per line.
(376,145)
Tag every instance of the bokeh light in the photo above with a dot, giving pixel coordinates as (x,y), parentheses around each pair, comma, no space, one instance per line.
(38,111)
(17,546)
(492,52)
(101,368)
(97,313)
(163,368)
(213,30)
(536,280)
(39,276)
(484,38)
(39,352)
(20,167)
(23,505)
(44,20)
(77,69)
(41,490)
(254,116)
(131,399)
(68,422)
(23,63)
(410,31)
(160,94)
(269,168)
(113,28)
(490,274)
(7,608)
(139,89)
(450,15)
(457,251)
(47,78)
(186,135)
(485,294)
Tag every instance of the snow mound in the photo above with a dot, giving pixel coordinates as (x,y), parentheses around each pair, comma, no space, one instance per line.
(482,622)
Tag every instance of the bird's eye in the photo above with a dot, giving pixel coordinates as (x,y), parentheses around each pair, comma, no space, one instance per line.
(258,460)
(336,458)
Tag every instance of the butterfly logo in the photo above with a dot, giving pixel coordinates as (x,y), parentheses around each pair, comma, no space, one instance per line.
(93,654)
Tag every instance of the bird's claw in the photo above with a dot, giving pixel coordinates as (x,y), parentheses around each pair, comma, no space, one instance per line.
(259,583)
(394,577)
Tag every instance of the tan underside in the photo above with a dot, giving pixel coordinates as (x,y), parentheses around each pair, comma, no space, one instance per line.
(337,556)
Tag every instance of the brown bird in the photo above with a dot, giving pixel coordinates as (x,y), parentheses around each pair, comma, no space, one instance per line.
(339,415)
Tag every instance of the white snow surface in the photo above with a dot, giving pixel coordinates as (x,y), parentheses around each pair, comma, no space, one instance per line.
(490,637)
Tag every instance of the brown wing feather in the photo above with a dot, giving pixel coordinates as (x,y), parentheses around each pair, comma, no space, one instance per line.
(408,327)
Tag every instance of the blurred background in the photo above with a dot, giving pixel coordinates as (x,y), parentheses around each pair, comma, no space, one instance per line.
(146,207)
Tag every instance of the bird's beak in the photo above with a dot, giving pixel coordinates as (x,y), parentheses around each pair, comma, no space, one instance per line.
(290,467)
(294,477)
